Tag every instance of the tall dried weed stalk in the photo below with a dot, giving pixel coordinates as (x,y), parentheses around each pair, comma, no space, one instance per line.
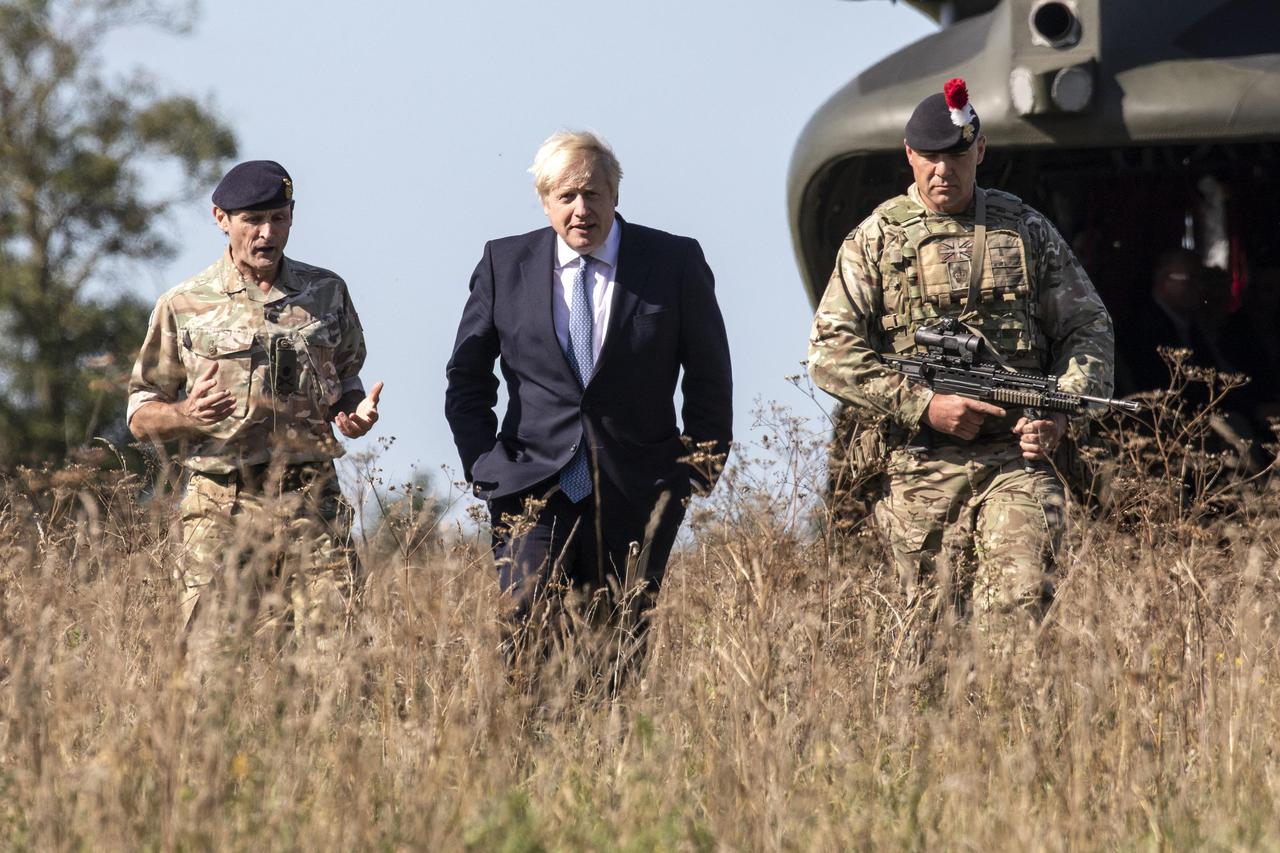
(779,708)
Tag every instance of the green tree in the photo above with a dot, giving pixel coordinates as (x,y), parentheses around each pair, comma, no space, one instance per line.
(81,154)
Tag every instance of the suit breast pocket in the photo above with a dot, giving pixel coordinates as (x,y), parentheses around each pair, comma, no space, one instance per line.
(652,328)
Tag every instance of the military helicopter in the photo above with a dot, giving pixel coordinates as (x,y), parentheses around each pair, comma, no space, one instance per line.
(1135,126)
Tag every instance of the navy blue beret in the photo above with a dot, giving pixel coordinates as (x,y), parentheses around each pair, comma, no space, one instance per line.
(254,185)
(944,122)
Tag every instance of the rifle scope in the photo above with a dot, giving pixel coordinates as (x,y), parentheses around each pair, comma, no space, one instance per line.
(964,345)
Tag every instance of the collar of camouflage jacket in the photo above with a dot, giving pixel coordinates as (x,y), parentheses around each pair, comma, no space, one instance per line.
(234,282)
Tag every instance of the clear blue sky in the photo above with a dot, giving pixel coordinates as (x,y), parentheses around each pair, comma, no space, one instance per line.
(408,129)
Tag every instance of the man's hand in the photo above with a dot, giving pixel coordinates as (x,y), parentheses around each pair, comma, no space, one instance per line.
(206,404)
(959,416)
(363,418)
(1038,438)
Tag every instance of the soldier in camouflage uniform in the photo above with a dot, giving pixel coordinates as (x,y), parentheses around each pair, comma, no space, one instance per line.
(955,494)
(248,364)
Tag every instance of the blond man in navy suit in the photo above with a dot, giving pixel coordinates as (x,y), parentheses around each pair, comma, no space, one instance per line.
(592,321)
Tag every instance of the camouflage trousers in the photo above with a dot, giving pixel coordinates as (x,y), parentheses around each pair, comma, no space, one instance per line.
(968,526)
(266,553)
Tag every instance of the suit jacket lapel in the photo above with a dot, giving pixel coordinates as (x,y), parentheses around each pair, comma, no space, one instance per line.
(628,283)
(537,292)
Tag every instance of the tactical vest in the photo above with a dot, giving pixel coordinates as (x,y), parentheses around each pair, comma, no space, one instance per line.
(924,269)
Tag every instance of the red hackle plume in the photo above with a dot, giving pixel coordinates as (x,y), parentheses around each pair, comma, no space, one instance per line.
(956,93)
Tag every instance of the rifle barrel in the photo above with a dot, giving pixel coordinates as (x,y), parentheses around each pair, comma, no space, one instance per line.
(1127,405)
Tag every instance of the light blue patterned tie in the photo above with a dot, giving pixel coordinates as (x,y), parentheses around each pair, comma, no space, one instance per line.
(575,479)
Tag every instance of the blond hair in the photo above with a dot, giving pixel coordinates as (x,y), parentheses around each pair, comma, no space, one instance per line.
(577,156)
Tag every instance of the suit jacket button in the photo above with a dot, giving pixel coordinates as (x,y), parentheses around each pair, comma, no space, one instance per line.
(574,449)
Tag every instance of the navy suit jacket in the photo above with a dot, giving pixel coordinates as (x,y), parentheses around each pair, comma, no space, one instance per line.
(664,317)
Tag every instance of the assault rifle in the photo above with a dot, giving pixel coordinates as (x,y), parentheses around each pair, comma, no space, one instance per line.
(958,362)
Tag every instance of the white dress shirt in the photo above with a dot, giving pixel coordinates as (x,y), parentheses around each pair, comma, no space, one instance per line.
(604,271)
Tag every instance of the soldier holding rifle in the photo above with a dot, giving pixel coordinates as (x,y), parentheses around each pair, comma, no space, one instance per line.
(954,466)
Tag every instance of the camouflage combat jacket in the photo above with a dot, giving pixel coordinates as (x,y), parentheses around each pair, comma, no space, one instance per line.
(906,265)
(286,357)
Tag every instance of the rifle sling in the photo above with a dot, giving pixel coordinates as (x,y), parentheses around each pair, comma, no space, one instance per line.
(979,250)
(976,264)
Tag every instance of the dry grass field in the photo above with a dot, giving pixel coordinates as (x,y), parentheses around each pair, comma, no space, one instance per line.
(779,708)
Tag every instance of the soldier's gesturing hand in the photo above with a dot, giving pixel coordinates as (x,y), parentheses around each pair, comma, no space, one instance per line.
(206,403)
(360,421)
(959,416)
(1038,438)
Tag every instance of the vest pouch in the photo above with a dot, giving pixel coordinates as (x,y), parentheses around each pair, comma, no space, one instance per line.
(896,277)
(868,450)
(1005,265)
(1008,329)
(232,351)
(916,314)
(945,260)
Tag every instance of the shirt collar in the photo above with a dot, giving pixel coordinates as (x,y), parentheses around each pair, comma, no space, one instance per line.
(234,282)
(285,279)
(606,254)
(913,192)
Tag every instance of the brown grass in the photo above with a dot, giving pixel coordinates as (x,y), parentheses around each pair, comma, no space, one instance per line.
(778,709)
